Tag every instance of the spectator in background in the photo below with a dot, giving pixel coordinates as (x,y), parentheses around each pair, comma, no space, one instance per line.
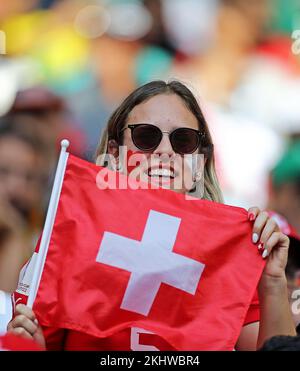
(13,248)
(284,195)
(21,181)
(51,120)
(284,199)
(29,135)
(220,69)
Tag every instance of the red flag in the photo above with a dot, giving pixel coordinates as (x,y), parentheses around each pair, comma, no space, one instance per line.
(184,270)
(17,343)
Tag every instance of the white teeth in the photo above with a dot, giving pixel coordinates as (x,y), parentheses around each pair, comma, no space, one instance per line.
(162,172)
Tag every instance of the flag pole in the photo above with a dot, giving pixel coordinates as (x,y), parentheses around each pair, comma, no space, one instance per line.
(49,222)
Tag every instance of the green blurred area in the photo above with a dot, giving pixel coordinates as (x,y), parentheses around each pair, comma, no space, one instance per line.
(286,16)
(288,167)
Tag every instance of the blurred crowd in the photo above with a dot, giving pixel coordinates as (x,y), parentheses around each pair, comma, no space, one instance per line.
(66,64)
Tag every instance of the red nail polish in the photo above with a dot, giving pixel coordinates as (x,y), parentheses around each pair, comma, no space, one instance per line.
(260,246)
(251,217)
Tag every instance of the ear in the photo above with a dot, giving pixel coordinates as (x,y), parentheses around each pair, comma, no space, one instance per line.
(113,148)
(198,172)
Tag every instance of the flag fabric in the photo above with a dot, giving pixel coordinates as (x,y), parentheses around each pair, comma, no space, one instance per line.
(185,270)
(10,342)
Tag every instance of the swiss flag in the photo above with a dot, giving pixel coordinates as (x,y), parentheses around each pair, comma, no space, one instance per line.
(185,270)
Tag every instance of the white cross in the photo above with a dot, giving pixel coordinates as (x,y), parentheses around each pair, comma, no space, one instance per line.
(151,262)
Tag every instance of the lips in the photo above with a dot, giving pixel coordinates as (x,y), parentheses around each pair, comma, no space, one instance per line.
(162,173)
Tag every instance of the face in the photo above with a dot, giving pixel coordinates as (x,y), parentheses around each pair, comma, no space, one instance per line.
(163,167)
(18,178)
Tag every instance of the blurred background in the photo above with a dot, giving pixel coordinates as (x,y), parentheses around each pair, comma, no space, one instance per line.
(65,65)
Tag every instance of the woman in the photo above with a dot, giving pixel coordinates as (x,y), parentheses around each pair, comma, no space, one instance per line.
(164,120)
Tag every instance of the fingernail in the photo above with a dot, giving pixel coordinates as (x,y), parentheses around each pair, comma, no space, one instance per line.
(36,322)
(251,217)
(255,237)
(265,253)
(260,246)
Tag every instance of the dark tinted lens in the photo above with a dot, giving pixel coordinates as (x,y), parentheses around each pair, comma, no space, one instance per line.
(146,137)
(185,140)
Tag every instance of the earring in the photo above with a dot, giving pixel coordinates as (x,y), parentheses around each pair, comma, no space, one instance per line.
(197,176)
(198,185)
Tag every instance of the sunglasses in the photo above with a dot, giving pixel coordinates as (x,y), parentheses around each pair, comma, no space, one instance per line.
(147,138)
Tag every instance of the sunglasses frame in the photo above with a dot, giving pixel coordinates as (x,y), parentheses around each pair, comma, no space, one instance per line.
(200,134)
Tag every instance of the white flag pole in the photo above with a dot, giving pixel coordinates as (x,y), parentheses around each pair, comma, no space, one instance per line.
(49,222)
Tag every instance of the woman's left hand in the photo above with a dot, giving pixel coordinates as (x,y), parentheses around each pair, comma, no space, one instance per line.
(273,245)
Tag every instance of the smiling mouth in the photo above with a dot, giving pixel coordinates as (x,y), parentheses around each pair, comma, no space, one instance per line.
(161,173)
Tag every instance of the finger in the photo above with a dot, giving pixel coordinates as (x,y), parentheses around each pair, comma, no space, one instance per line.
(39,337)
(24,322)
(275,239)
(269,228)
(20,331)
(253,213)
(26,311)
(259,225)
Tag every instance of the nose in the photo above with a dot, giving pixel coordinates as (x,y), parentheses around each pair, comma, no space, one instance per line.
(165,146)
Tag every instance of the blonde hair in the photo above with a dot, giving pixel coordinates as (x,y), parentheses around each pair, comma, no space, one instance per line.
(118,120)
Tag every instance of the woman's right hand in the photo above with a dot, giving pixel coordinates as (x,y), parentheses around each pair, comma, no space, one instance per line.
(25,324)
